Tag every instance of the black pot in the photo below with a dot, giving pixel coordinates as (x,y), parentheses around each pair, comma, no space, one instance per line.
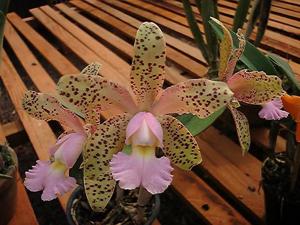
(79,191)
(8,192)
(280,206)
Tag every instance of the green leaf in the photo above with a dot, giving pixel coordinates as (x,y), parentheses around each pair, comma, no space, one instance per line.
(240,14)
(196,125)
(284,68)
(254,59)
(195,29)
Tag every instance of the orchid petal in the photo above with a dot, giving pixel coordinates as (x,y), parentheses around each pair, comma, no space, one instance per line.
(242,128)
(292,105)
(70,149)
(272,110)
(200,97)
(144,125)
(226,47)
(34,180)
(49,178)
(255,87)
(108,139)
(148,64)
(142,168)
(179,144)
(235,55)
(46,107)
(92,69)
(92,94)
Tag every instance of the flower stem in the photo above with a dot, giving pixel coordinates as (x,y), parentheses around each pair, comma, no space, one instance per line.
(143,199)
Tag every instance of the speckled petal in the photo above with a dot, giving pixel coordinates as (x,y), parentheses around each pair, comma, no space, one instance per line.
(226,47)
(272,110)
(147,69)
(235,55)
(108,139)
(46,107)
(242,128)
(255,87)
(92,94)
(92,69)
(200,97)
(179,144)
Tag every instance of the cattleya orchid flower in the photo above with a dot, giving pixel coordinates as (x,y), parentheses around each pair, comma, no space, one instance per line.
(50,176)
(140,120)
(272,110)
(292,105)
(250,87)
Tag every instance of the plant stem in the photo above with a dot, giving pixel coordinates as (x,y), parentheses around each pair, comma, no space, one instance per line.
(295,168)
(195,29)
(119,193)
(274,130)
(143,199)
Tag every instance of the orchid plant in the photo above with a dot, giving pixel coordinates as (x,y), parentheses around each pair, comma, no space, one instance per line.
(250,87)
(141,119)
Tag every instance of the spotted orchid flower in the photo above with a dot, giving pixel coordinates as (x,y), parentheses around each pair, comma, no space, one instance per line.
(292,105)
(272,110)
(50,176)
(140,120)
(250,87)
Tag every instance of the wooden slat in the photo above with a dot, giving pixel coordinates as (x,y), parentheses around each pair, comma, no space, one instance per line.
(97,47)
(39,132)
(120,44)
(62,65)
(12,128)
(285,48)
(197,69)
(188,184)
(76,46)
(24,213)
(286,45)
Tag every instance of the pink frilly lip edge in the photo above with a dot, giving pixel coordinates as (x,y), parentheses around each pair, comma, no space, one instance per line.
(133,171)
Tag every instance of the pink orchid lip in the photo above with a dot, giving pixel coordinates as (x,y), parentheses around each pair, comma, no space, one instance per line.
(272,110)
(49,178)
(144,129)
(142,168)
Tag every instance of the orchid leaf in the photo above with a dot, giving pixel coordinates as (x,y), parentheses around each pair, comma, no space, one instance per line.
(240,14)
(284,68)
(195,29)
(252,57)
(196,125)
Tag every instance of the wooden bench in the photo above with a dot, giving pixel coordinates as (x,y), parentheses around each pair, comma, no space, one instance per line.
(62,39)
